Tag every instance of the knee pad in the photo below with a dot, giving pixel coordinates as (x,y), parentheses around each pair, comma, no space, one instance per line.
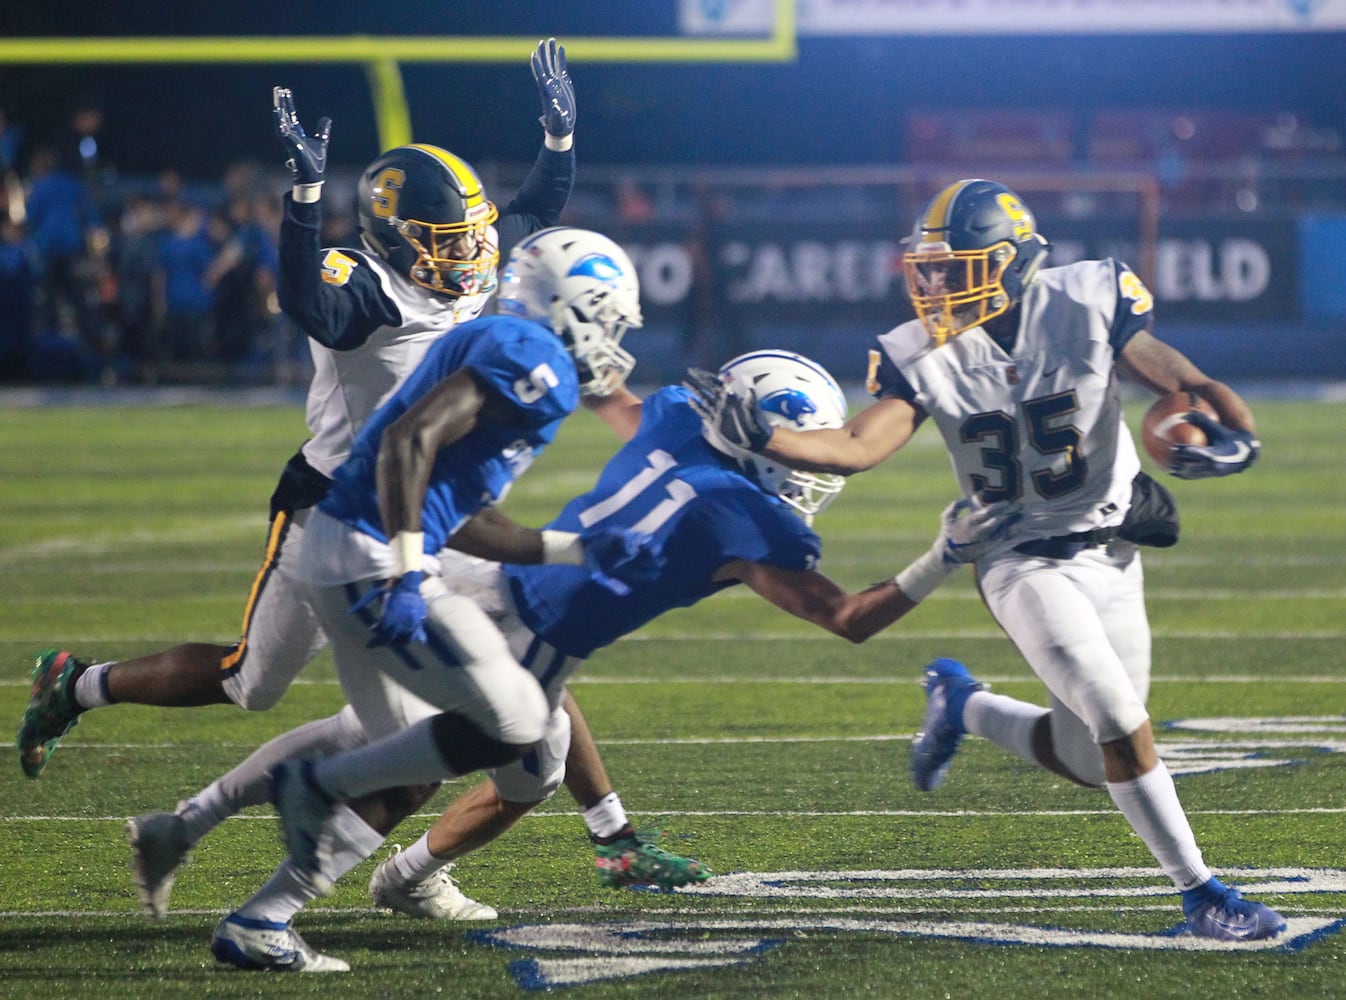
(536,776)
(465,747)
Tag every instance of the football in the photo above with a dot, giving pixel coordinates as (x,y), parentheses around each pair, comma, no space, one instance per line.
(1164,426)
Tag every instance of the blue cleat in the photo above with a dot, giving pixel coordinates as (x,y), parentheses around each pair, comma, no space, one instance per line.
(1214,910)
(947,685)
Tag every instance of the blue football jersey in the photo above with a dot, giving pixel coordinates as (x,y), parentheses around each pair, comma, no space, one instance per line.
(525,366)
(669,482)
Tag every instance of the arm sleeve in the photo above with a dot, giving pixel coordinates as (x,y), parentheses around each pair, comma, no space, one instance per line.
(885,380)
(340,309)
(540,200)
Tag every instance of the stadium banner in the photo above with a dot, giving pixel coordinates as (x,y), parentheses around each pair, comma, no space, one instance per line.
(1036,17)
(825,276)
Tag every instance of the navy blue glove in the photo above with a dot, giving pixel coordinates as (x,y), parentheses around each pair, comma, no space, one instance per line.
(1226,451)
(308,153)
(555,89)
(618,557)
(736,418)
(403,618)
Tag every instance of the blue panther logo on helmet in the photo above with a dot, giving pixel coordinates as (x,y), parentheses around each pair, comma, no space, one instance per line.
(595,265)
(791,404)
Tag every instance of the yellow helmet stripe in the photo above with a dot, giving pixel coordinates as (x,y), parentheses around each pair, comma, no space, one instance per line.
(937,219)
(467,177)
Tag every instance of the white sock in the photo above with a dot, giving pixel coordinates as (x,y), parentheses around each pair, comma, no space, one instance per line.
(286,892)
(91,688)
(409,757)
(204,811)
(1150,804)
(1006,722)
(283,895)
(606,816)
(416,863)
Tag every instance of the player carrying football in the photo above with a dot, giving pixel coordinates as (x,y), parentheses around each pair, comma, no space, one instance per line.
(1018,368)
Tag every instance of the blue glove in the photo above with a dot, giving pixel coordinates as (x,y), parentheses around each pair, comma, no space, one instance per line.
(1226,451)
(555,89)
(403,618)
(618,557)
(737,419)
(308,153)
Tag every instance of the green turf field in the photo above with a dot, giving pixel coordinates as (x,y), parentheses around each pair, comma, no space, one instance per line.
(763,747)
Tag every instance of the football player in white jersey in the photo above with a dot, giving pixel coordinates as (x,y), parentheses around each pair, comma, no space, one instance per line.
(1018,367)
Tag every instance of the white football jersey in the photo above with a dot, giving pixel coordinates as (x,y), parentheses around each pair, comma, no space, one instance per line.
(348,386)
(1041,424)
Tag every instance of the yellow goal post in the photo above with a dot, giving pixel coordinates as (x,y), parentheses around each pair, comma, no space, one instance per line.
(382,56)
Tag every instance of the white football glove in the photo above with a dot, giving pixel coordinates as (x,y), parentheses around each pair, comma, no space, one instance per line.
(968,529)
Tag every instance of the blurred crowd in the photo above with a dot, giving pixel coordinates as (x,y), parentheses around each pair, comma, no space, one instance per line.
(153,282)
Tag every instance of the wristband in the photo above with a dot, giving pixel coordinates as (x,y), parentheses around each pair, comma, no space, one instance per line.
(562,547)
(921,578)
(306,194)
(408,552)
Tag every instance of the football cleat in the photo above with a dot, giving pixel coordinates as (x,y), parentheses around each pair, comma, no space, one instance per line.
(51,712)
(268,946)
(638,860)
(158,847)
(437,897)
(947,686)
(1214,910)
(303,807)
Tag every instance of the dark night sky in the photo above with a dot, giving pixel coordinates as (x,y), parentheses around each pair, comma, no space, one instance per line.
(843,102)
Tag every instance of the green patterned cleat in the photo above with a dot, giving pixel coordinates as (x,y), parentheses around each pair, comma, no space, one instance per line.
(638,860)
(51,711)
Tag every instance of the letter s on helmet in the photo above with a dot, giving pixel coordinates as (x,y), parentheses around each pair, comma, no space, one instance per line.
(974,250)
(424,211)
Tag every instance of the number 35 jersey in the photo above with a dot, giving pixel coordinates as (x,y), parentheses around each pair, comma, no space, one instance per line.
(702,510)
(531,386)
(1040,423)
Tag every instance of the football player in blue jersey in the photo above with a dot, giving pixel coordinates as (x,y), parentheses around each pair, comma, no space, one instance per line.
(430,244)
(717,514)
(1018,366)
(426,673)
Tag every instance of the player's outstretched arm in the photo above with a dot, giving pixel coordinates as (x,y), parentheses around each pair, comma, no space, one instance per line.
(620,410)
(967,531)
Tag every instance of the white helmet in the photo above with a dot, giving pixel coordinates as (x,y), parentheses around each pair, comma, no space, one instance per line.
(583,287)
(790,391)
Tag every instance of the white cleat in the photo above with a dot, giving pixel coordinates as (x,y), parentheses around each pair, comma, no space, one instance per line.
(436,898)
(268,946)
(158,847)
